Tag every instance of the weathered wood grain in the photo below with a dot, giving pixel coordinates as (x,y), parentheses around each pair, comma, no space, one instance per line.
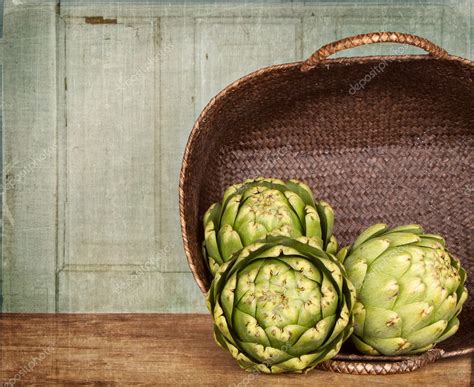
(110,155)
(29,238)
(176,85)
(229,48)
(160,350)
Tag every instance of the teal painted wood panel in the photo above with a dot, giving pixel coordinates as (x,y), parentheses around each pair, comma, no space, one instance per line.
(28,53)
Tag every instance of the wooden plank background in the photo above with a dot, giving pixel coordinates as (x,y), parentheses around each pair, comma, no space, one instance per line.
(97,114)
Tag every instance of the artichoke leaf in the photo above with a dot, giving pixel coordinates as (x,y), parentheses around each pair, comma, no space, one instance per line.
(230,242)
(369,233)
(451,329)
(427,335)
(364,347)
(381,323)
(409,228)
(312,223)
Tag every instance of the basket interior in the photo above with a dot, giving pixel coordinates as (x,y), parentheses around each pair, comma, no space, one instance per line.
(399,150)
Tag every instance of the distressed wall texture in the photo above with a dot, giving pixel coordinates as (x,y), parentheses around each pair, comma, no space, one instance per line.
(99,101)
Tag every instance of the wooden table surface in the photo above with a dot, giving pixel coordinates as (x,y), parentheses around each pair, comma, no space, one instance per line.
(159,349)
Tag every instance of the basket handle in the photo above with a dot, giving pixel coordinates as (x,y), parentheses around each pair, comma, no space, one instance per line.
(371,38)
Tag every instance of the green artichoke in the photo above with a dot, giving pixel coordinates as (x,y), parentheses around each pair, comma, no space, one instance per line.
(409,290)
(282,305)
(256,208)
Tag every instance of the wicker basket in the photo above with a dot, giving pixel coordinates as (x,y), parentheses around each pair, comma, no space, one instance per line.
(381,138)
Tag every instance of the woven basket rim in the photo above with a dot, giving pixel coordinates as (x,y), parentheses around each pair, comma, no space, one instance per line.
(382,366)
(357,357)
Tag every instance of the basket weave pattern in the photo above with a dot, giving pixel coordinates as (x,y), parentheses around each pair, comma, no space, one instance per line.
(362,366)
(398,150)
